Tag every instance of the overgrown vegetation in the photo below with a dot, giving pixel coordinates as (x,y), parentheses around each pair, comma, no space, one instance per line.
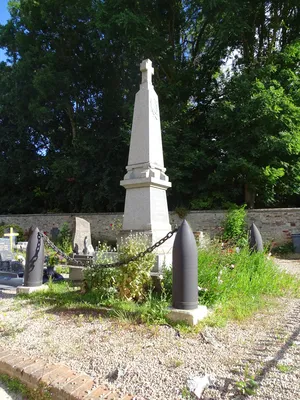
(234,285)
(64,239)
(232,282)
(132,280)
(41,392)
(234,225)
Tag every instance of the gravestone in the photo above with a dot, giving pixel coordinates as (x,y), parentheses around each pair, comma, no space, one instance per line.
(81,238)
(6,255)
(146,208)
(54,233)
(7,263)
(4,244)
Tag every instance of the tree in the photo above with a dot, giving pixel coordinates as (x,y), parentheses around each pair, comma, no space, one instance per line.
(257,121)
(68,91)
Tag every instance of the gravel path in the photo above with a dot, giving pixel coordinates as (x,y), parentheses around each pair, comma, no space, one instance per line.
(154,363)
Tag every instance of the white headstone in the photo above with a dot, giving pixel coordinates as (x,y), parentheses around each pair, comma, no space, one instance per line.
(81,239)
(146,208)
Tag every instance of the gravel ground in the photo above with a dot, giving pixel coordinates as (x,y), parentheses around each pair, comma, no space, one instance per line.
(154,363)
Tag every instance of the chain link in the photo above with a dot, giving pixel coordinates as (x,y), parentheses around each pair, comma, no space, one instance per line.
(107,265)
(31,263)
(60,252)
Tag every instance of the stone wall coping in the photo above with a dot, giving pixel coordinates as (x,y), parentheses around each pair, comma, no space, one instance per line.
(60,214)
(252,210)
(255,210)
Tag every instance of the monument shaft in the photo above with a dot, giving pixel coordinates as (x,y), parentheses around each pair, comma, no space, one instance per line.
(146,208)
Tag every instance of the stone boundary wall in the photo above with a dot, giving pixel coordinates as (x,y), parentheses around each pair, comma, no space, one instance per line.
(274,224)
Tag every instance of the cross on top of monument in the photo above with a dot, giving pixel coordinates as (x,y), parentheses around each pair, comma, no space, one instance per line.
(147,71)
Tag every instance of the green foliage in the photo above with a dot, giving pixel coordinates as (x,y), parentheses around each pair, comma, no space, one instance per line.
(256,123)
(151,310)
(181,212)
(282,249)
(102,280)
(52,259)
(235,285)
(135,279)
(41,392)
(234,225)
(222,130)
(130,281)
(248,385)
(64,239)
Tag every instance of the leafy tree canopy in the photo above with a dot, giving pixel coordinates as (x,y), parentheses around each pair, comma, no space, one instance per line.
(230,132)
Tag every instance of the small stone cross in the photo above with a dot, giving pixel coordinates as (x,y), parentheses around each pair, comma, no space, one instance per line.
(147,71)
(11,234)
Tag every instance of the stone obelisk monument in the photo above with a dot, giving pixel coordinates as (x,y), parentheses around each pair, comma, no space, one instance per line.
(146,208)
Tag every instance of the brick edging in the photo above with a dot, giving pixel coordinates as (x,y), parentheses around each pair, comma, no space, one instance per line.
(63,383)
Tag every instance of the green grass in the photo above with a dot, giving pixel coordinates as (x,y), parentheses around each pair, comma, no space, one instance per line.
(238,284)
(62,296)
(284,368)
(41,392)
(233,285)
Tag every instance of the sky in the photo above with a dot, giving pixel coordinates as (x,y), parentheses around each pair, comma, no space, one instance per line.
(4,16)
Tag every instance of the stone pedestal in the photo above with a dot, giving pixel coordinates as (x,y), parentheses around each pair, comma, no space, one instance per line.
(191,317)
(146,208)
(28,289)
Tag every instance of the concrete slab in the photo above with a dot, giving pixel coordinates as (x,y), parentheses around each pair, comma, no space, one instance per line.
(191,317)
(28,290)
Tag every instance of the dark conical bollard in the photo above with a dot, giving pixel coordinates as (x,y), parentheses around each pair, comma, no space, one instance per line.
(33,274)
(255,239)
(185,269)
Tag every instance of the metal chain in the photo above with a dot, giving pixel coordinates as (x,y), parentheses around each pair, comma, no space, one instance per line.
(59,251)
(109,265)
(31,263)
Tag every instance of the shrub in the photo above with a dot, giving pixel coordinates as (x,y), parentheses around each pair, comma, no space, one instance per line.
(103,280)
(134,278)
(234,225)
(130,281)
(64,239)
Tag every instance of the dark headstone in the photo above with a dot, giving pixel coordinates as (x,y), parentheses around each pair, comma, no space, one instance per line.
(12,267)
(54,233)
(255,239)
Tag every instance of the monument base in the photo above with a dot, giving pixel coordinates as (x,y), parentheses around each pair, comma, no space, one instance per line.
(28,290)
(191,317)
